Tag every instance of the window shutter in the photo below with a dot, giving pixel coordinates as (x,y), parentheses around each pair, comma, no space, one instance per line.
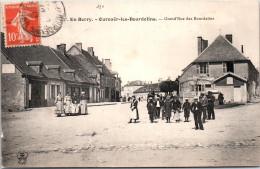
(198,68)
(224,67)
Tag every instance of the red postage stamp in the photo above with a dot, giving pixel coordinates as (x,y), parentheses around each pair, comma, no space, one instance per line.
(18,19)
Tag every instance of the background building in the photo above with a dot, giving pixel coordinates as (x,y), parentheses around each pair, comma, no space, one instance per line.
(220,67)
(130,87)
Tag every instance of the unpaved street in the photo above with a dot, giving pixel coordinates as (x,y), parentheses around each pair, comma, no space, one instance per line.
(104,138)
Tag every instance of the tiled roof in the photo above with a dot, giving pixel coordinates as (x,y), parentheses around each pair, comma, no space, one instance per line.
(219,51)
(72,63)
(147,88)
(94,60)
(21,56)
(136,83)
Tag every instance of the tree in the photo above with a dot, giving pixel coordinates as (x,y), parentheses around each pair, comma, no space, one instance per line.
(169,86)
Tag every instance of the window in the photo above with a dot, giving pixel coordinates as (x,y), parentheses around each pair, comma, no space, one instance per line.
(200,88)
(8,68)
(58,89)
(107,92)
(72,90)
(181,86)
(192,87)
(207,85)
(30,91)
(224,67)
(203,68)
(230,67)
(229,80)
(52,92)
(45,92)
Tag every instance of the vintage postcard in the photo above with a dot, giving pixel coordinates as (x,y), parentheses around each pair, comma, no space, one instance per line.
(130,83)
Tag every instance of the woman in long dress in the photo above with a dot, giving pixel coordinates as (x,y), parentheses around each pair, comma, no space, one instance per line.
(134,114)
(83,103)
(176,106)
(67,100)
(59,104)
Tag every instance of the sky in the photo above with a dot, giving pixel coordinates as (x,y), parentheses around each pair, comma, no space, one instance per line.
(149,50)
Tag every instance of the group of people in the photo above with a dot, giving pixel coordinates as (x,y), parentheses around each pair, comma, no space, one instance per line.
(202,108)
(71,105)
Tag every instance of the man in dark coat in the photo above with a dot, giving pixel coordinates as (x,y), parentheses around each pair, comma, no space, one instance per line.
(204,102)
(186,109)
(211,100)
(151,108)
(196,109)
(167,108)
(220,99)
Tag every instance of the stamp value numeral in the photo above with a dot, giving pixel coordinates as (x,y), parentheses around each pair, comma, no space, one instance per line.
(12,36)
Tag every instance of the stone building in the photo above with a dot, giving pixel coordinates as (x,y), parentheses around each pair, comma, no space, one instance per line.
(32,76)
(220,67)
(130,87)
(98,71)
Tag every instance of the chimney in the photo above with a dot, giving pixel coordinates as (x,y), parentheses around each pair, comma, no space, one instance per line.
(79,46)
(242,49)
(199,45)
(204,44)
(62,47)
(108,64)
(229,37)
(91,51)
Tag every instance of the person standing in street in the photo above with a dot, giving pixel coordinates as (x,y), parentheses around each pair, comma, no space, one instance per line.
(134,107)
(210,107)
(158,107)
(204,102)
(221,98)
(151,108)
(75,102)
(196,109)
(167,108)
(83,103)
(176,106)
(59,104)
(186,109)
(67,101)
(162,107)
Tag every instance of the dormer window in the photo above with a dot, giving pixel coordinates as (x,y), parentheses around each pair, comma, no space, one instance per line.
(71,72)
(54,70)
(36,66)
(100,68)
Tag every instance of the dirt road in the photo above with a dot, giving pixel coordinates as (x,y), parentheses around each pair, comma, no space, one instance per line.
(104,138)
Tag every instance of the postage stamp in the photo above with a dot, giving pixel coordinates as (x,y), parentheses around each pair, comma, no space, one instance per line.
(26,23)
(17,17)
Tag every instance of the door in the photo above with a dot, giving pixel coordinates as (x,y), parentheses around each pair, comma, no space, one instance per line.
(37,94)
(237,94)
